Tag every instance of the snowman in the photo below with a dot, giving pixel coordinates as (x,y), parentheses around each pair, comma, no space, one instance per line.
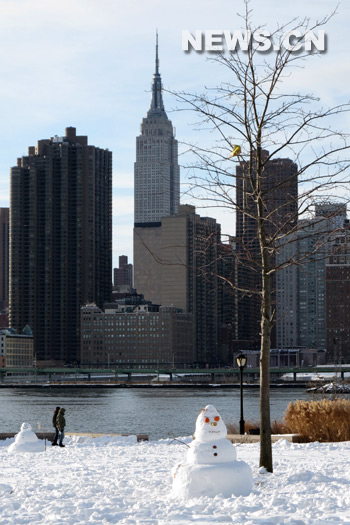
(26,441)
(211,467)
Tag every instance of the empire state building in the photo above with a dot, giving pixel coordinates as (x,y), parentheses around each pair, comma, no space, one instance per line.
(156,171)
(169,240)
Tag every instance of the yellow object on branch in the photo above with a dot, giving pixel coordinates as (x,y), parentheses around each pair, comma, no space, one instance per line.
(236,151)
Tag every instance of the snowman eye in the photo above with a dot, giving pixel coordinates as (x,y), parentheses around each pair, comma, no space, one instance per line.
(216,418)
(207,420)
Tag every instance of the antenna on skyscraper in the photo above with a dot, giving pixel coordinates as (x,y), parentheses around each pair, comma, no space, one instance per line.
(157,60)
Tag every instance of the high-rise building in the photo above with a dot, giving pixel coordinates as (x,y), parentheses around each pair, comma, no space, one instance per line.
(123,274)
(302,286)
(179,266)
(279,184)
(338,300)
(315,240)
(60,240)
(4,258)
(176,251)
(227,301)
(287,317)
(157,173)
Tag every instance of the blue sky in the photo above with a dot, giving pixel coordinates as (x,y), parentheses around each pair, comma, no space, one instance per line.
(89,64)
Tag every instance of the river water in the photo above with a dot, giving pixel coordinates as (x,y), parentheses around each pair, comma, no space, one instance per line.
(158,412)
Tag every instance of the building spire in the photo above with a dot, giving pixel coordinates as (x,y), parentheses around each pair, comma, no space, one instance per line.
(157,106)
(157,59)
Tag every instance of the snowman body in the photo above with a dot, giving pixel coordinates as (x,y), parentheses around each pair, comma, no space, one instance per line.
(212,467)
(26,441)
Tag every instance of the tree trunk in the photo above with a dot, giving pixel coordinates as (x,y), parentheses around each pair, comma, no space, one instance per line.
(265,332)
(265,422)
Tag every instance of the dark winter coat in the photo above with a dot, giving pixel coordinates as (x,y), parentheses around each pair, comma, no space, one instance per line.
(60,420)
(54,417)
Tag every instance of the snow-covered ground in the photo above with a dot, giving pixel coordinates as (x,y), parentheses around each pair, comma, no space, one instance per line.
(117,480)
(319,376)
(331,388)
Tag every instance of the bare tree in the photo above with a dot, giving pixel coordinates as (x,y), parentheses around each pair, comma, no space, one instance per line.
(253,123)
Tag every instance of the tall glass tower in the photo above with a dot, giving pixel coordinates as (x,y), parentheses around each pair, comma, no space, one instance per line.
(157,174)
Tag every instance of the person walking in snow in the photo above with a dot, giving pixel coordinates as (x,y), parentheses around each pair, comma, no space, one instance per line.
(54,417)
(60,423)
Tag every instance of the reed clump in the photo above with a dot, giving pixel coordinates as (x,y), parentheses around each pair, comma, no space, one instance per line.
(277,427)
(322,420)
(249,425)
(233,428)
(280,427)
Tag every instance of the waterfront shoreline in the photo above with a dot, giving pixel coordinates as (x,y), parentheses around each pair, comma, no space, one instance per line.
(150,385)
(160,411)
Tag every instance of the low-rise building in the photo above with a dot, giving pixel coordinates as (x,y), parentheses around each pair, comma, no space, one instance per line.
(16,350)
(288,357)
(2,350)
(147,336)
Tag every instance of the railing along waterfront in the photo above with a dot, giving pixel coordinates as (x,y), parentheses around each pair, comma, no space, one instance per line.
(94,374)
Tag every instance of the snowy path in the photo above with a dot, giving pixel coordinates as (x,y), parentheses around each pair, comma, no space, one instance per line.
(118,480)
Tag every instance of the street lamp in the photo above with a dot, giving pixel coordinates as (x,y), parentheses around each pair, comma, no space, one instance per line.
(241,362)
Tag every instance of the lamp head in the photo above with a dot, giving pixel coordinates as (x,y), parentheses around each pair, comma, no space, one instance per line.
(241,360)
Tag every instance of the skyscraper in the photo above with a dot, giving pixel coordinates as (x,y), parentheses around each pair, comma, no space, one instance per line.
(157,184)
(175,250)
(157,174)
(179,267)
(315,243)
(302,288)
(60,240)
(337,315)
(123,274)
(4,258)
(279,184)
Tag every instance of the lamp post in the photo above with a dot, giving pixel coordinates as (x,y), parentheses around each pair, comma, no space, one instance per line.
(241,362)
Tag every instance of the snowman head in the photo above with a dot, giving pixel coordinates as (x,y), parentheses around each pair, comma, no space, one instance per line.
(25,427)
(209,425)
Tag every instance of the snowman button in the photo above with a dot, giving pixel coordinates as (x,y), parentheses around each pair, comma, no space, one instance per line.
(215,454)
(214,446)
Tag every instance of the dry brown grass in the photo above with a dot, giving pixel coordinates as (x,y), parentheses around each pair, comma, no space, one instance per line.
(251,424)
(280,427)
(277,427)
(324,420)
(232,428)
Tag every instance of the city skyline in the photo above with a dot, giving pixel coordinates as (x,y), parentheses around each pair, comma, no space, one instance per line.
(90,66)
